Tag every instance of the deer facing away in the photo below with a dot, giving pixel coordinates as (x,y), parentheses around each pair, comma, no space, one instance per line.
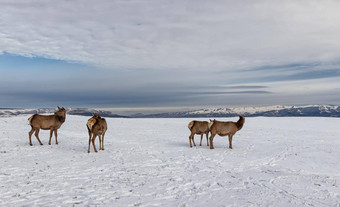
(96,126)
(200,128)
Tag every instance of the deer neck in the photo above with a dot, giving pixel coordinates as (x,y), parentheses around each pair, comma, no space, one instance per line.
(239,124)
(61,118)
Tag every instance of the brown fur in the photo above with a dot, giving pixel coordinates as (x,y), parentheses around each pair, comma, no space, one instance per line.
(92,121)
(96,126)
(200,128)
(225,129)
(47,122)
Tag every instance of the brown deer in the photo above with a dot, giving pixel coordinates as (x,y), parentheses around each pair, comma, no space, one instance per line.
(47,122)
(200,128)
(96,126)
(225,129)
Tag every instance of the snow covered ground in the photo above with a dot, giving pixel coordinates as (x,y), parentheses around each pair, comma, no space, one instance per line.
(148,162)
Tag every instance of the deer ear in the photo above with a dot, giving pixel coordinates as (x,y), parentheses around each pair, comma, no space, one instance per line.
(58,107)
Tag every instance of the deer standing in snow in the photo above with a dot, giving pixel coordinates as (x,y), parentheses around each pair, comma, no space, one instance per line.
(96,126)
(200,128)
(225,129)
(47,122)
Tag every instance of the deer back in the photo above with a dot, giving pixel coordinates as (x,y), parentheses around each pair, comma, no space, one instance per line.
(100,126)
(45,121)
(223,128)
(199,127)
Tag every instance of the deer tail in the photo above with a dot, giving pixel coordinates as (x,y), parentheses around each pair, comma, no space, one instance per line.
(30,119)
(191,124)
(210,124)
(89,125)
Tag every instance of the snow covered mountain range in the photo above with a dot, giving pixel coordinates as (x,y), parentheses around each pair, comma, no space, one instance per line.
(73,111)
(269,111)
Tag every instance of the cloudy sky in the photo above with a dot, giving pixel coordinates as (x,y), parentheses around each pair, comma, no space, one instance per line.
(166,53)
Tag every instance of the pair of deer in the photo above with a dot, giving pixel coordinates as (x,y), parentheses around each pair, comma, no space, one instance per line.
(96,127)
(215,127)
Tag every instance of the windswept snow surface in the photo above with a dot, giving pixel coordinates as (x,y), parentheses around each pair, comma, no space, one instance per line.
(148,162)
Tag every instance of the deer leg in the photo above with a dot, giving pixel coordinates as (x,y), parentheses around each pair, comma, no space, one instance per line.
(56,136)
(207,138)
(37,136)
(190,137)
(30,135)
(94,145)
(103,141)
(211,141)
(100,142)
(89,142)
(89,131)
(201,139)
(230,141)
(193,140)
(51,133)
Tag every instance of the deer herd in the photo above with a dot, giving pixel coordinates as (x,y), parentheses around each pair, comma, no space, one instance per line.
(97,127)
(221,128)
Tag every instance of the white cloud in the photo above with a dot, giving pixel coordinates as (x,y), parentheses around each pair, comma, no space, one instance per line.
(203,35)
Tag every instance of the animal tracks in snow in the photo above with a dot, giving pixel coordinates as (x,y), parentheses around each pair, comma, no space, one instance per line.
(274,162)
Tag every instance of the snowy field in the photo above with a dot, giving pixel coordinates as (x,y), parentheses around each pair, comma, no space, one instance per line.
(148,162)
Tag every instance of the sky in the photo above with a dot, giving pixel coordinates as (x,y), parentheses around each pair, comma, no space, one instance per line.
(157,53)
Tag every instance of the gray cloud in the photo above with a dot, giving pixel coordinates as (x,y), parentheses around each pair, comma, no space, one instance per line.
(285,67)
(242,87)
(229,92)
(306,75)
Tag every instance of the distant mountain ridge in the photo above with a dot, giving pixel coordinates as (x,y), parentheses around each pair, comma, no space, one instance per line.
(72,111)
(269,111)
